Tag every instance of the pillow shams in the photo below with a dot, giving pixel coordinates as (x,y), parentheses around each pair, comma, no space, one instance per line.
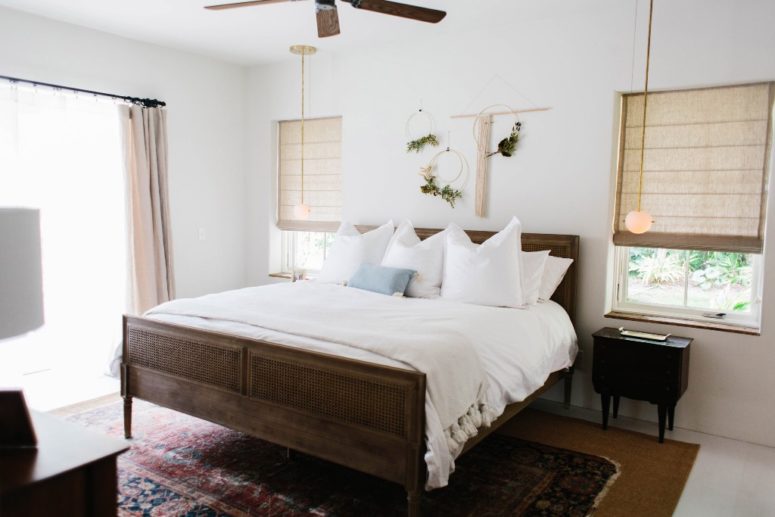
(554,272)
(351,249)
(406,250)
(533,265)
(381,279)
(486,274)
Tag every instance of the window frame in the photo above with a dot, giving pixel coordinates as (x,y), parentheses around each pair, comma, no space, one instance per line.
(288,245)
(691,316)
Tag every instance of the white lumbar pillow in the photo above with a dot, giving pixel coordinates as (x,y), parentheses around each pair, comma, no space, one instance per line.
(554,272)
(487,274)
(533,265)
(351,249)
(407,251)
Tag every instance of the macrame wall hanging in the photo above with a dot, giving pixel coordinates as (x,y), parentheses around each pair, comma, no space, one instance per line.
(483,131)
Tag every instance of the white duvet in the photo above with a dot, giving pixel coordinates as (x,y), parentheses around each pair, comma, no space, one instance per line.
(476,359)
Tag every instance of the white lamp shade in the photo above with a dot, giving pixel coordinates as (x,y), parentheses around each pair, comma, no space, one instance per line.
(638,222)
(21,282)
(301,211)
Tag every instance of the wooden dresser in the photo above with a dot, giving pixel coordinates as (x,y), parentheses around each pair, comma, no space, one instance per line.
(72,473)
(657,372)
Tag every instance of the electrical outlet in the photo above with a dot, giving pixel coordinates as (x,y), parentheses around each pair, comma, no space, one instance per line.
(202,234)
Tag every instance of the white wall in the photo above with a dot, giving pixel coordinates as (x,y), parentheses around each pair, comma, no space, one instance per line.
(205,100)
(574,57)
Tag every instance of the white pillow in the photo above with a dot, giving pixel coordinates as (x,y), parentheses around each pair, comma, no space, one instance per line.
(351,249)
(554,272)
(533,265)
(407,251)
(488,274)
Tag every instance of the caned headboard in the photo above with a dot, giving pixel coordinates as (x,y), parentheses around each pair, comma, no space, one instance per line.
(566,246)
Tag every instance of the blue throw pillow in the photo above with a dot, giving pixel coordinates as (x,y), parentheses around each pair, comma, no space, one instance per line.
(381,279)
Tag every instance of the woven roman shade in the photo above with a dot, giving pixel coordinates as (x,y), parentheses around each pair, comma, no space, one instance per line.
(706,167)
(322,174)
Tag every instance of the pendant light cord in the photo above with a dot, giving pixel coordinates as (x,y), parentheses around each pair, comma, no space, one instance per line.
(302,128)
(645,104)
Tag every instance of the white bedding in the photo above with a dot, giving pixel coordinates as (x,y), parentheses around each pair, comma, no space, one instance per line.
(471,354)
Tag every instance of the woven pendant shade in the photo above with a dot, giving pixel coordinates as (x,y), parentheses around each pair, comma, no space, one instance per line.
(706,167)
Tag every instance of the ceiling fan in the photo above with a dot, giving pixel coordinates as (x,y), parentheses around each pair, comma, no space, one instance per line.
(328,18)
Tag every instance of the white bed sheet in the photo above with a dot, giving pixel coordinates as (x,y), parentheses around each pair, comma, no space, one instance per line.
(518,354)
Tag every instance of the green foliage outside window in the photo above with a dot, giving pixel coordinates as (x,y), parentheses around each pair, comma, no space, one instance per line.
(713,280)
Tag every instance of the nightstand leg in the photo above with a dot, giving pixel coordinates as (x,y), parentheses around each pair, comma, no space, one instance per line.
(605,400)
(670,416)
(616,406)
(662,409)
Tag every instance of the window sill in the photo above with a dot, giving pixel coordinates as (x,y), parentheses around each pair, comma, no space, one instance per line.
(283,276)
(682,322)
(289,276)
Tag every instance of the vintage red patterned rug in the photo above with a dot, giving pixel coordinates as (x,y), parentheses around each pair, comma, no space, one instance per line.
(180,465)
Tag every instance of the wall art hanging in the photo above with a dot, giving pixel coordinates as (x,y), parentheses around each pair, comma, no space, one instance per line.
(418,140)
(482,132)
(444,185)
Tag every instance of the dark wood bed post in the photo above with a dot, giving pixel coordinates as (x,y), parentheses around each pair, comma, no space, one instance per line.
(568,384)
(417,470)
(125,386)
(413,498)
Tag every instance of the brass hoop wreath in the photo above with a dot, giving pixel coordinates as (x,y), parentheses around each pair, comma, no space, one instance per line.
(416,144)
(437,186)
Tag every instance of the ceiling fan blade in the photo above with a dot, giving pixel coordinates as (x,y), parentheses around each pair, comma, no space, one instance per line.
(328,20)
(220,7)
(413,12)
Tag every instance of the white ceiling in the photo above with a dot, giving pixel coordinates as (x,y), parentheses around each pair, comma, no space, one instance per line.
(260,34)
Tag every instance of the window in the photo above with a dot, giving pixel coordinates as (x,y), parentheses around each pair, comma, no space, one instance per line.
(305,242)
(692,284)
(305,251)
(61,153)
(705,182)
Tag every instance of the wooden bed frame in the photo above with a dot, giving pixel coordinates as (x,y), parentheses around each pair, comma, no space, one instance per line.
(361,415)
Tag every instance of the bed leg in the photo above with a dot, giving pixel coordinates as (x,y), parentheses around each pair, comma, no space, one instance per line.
(127,416)
(413,502)
(568,378)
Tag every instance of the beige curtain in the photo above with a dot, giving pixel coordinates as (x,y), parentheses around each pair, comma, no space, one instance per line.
(144,137)
(706,167)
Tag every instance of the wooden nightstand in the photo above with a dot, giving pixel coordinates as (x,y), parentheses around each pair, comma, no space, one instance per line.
(657,372)
(72,473)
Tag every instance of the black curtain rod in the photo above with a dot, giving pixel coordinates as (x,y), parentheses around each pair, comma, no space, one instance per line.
(146,103)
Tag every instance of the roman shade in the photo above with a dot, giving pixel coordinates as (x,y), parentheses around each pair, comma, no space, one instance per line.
(706,167)
(322,174)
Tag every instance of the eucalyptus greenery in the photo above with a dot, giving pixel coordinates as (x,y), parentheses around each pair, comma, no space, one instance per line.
(508,145)
(418,145)
(446,192)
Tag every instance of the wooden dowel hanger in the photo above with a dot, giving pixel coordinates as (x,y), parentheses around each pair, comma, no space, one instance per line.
(496,113)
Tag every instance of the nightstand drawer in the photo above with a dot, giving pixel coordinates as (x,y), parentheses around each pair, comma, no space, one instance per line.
(635,358)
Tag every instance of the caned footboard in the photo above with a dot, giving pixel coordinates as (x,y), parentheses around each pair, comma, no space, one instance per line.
(361,415)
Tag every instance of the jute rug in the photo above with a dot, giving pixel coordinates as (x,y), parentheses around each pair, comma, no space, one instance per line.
(652,474)
(180,465)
